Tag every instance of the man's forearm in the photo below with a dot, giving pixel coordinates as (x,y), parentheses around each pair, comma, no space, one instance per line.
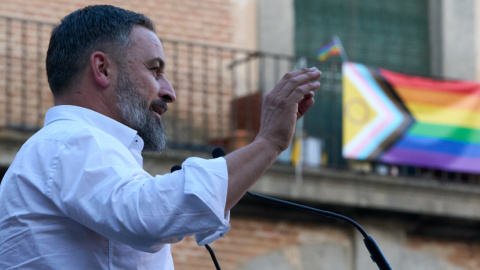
(245,166)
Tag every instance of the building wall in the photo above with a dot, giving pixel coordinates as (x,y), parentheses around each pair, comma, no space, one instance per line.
(261,243)
(458,39)
(455,39)
(201,21)
(275,36)
(476,24)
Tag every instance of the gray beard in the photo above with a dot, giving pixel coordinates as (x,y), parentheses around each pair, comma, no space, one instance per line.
(138,115)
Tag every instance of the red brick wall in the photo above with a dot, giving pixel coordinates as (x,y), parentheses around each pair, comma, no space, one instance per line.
(251,238)
(24,88)
(459,253)
(207,21)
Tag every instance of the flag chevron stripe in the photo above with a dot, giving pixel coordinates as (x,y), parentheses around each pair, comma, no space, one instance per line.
(388,120)
(390,116)
(354,146)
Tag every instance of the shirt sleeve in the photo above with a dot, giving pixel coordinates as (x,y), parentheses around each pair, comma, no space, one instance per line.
(212,194)
(100,185)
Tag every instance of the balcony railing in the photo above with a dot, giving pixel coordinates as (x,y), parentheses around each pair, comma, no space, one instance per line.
(218,89)
(219,92)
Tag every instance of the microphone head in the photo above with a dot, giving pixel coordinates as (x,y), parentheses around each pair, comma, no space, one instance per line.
(218,152)
(175,168)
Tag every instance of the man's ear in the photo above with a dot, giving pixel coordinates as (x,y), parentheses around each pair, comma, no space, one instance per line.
(101,67)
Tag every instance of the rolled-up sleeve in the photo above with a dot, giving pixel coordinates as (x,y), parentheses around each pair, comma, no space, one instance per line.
(208,180)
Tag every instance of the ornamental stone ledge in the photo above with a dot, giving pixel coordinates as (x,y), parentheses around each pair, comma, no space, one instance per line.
(421,196)
(351,189)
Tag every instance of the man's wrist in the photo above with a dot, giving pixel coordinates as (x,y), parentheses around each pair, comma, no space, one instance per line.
(267,145)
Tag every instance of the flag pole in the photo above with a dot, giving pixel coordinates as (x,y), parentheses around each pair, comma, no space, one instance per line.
(343,55)
(298,139)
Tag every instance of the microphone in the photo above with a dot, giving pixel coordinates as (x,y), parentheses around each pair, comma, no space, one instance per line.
(175,168)
(218,152)
(372,247)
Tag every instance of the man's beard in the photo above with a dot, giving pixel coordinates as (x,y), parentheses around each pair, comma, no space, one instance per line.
(137,114)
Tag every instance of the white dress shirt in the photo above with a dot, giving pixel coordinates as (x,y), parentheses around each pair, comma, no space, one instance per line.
(76,197)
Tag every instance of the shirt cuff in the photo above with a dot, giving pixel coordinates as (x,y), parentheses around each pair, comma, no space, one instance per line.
(213,235)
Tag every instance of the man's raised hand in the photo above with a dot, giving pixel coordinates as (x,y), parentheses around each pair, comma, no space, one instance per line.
(291,98)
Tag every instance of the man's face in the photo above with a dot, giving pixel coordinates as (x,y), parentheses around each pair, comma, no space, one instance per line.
(142,89)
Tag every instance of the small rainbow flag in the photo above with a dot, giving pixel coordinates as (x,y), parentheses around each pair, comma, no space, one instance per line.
(330,49)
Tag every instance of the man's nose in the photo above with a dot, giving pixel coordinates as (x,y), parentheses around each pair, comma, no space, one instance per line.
(166,91)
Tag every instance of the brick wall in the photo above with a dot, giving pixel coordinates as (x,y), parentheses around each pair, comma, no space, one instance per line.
(208,21)
(251,238)
(201,112)
(269,244)
(463,254)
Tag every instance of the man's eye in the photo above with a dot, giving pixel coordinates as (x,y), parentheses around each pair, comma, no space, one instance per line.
(156,71)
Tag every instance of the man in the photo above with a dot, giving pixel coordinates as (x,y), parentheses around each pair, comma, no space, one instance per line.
(76,195)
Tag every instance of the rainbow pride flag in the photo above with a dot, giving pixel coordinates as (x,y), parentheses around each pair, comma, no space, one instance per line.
(330,49)
(407,120)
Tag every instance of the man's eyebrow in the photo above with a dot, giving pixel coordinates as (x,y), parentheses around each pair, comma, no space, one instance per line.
(155,61)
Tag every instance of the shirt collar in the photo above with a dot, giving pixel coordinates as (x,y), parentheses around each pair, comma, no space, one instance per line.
(124,134)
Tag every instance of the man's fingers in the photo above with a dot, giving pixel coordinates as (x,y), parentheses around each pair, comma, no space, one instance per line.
(299,82)
(291,76)
(299,92)
(305,104)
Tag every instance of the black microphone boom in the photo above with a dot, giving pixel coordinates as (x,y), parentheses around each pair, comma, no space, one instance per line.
(372,247)
(175,168)
(218,152)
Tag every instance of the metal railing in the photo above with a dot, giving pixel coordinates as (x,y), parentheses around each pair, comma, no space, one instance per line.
(219,92)
(218,89)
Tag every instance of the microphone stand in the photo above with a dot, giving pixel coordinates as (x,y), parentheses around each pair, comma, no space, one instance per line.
(372,247)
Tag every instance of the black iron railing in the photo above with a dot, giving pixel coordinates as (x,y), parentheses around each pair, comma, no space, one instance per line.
(218,89)
(219,92)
